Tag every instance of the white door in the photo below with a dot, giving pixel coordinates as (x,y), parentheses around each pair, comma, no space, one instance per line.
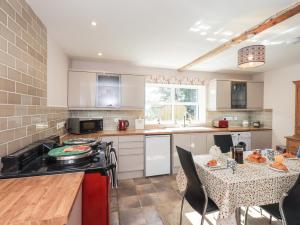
(158,157)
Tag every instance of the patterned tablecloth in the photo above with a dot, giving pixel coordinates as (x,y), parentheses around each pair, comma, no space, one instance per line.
(251,185)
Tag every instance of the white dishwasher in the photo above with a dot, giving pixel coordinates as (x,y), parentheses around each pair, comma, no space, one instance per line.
(157,155)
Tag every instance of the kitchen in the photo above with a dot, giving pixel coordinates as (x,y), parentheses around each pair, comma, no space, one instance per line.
(92,93)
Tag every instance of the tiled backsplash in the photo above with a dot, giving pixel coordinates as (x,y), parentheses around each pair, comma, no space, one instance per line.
(265,117)
(109,116)
(23,79)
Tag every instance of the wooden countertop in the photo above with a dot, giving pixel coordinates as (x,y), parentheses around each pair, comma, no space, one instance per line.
(40,200)
(162,131)
(295,137)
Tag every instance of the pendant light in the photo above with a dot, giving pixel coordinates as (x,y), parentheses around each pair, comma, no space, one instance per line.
(251,56)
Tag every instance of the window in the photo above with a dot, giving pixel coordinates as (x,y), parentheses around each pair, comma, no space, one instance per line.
(169,103)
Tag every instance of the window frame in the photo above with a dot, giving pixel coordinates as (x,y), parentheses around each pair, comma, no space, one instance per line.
(201,92)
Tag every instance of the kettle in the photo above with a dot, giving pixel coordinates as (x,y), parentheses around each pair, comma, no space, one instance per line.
(123,124)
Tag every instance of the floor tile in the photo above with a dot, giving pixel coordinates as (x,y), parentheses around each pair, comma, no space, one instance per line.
(151,215)
(156,201)
(114,218)
(132,217)
(125,192)
(129,202)
(142,180)
(149,199)
(145,189)
(169,196)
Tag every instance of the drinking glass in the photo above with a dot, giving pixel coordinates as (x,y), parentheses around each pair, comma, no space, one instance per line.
(239,155)
(231,163)
(270,154)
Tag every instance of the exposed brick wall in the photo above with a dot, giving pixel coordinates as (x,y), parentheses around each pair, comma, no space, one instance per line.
(23,79)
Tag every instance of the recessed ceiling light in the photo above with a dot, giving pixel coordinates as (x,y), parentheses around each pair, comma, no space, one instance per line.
(203,33)
(99,54)
(93,23)
(227,33)
(211,39)
(193,29)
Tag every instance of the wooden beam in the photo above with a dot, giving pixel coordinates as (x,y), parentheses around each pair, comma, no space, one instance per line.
(268,23)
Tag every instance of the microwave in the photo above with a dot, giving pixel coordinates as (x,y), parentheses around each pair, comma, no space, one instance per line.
(85,125)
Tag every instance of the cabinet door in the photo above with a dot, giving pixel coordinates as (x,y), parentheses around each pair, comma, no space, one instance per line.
(182,141)
(108,91)
(261,139)
(133,91)
(255,95)
(82,89)
(223,94)
(198,144)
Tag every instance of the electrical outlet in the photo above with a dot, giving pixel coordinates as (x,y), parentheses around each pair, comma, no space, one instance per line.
(60,125)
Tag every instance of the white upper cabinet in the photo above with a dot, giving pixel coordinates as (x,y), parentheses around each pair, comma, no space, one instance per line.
(81,90)
(132,92)
(255,95)
(219,95)
(103,91)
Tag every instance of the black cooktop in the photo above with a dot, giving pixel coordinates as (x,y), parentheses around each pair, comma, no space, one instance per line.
(34,161)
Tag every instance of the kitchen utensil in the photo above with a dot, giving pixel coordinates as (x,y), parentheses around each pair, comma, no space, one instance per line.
(256,124)
(139,124)
(123,124)
(245,123)
(220,123)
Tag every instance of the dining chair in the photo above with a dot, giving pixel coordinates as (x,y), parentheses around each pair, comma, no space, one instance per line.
(195,193)
(288,209)
(224,142)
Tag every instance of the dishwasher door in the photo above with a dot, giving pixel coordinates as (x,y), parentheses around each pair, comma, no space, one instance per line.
(157,155)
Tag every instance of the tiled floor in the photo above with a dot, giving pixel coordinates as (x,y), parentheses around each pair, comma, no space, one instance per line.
(156,201)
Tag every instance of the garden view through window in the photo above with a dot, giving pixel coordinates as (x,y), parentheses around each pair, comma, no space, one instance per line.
(170,103)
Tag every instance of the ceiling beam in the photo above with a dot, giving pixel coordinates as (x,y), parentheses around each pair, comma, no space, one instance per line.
(268,23)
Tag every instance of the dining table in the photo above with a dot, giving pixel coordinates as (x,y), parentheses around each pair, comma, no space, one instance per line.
(251,184)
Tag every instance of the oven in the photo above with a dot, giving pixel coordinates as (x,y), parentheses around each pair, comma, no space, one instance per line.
(34,160)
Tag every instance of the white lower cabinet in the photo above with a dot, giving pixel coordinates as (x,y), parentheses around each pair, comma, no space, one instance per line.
(261,139)
(131,149)
(195,143)
(131,156)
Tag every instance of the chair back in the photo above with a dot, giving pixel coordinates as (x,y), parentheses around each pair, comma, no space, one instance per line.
(224,142)
(291,205)
(194,191)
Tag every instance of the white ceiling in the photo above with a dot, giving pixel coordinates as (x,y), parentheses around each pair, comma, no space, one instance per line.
(168,33)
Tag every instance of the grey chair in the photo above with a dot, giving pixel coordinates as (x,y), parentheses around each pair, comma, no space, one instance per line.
(195,193)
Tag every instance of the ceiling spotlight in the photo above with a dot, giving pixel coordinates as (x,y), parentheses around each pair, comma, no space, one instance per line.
(93,23)
(99,54)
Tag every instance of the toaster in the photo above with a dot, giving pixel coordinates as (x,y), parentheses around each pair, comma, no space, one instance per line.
(220,123)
